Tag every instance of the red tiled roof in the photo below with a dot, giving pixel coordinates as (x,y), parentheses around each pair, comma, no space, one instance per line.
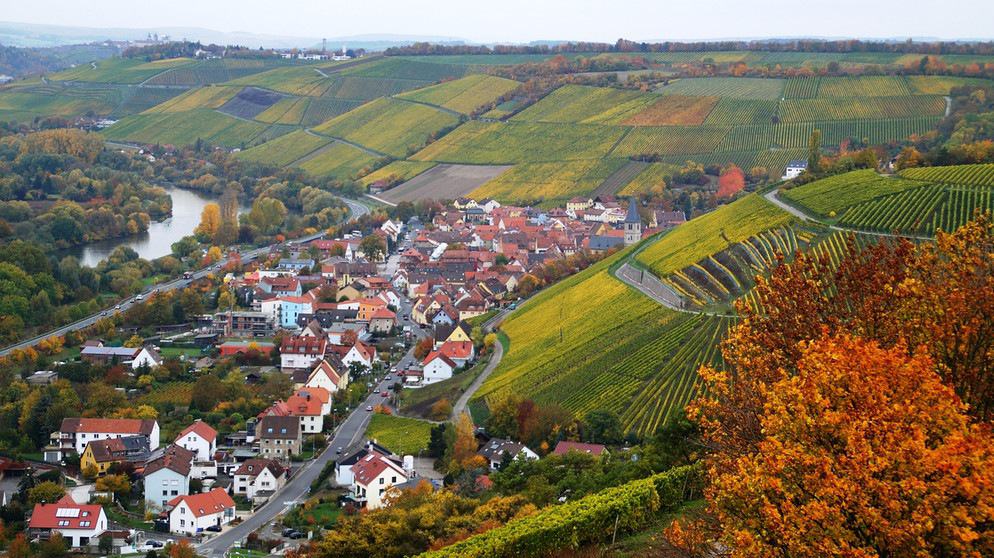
(438,354)
(564,447)
(383,314)
(175,458)
(202,429)
(456,350)
(206,503)
(304,345)
(278,409)
(48,516)
(372,466)
(108,426)
(253,467)
(307,402)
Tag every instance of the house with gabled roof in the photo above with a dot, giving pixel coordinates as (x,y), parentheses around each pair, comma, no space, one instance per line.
(310,405)
(167,475)
(373,476)
(495,450)
(200,438)
(100,455)
(437,367)
(258,479)
(192,514)
(329,377)
(75,433)
(79,524)
(301,352)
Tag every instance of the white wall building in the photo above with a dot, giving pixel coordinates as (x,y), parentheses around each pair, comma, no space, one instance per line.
(194,513)
(199,438)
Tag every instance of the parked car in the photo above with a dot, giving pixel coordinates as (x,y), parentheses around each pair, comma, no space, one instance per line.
(214,528)
(338,450)
(369,407)
(288,531)
(297,535)
(388,378)
(154,543)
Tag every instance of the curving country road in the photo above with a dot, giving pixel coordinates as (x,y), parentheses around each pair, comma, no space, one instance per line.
(356,209)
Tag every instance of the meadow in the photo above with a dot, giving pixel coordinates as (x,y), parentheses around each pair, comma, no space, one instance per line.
(401,435)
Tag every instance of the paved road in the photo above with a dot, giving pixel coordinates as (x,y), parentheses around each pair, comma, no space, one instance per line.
(650,285)
(297,489)
(357,209)
(773,198)
(460,406)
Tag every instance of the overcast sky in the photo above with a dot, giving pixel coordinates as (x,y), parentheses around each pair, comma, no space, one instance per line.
(527,20)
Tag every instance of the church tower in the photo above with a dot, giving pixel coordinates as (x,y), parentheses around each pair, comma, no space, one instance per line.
(633,224)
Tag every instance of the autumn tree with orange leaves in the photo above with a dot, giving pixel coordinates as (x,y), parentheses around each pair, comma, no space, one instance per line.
(864,452)
(854,414)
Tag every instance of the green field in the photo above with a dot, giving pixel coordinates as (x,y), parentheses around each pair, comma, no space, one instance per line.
(284,150)
(210,97)
(735,88)
(464,95)
(397,128)
(23,104)
(514,142)
(119,70)
(831,196)
(337,160)
(551,183)
(403,436)
(184,128)
(401,170)
(590,342)
(712,233)
(580,103)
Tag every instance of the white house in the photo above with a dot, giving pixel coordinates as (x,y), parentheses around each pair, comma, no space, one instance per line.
(310,405)
(259,478)
(75,433)
(271,308)
(193,513)
(325,376)
(79,525)
(495,450)
(199,438)
(167,475)
(147,356)
(437,367)
(361,353)
(301,352)
(794,169)
(373,476)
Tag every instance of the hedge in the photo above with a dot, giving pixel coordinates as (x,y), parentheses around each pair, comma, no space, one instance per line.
(588,520)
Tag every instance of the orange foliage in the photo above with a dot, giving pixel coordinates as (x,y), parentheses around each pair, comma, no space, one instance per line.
(864,453)
(731,182)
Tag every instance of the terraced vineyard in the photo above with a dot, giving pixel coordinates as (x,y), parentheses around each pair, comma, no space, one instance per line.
(729,274)
(979,175)
(735,88)
(285,150)
(184,128)
(118,70)
(550,183)
(581,103)
(23,104)
(397,128)
(518,142)
(811,110)
(670,140)
(734,112)
(831,196)
(863,86)
(590,342)
(711,233)
(337,160)
(912,212)
(466,94)
(200,98)
(401,170)
(651,176)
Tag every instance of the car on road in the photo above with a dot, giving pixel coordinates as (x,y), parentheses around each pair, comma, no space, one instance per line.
(104,313)
(388,378)
(118,307)
(139,298)
(338,450)
(154,543)
(384,393)
(369,407)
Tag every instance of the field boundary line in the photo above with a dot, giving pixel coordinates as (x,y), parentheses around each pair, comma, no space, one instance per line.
(624,135)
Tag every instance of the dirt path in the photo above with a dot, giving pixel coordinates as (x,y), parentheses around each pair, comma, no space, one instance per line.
(372,152)
(318,70)
(949,104)
(619,178)
(460,406)
(436,107)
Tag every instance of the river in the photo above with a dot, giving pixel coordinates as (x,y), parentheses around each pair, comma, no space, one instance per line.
(157,242)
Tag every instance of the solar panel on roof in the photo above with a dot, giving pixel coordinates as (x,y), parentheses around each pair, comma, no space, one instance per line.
(67,512)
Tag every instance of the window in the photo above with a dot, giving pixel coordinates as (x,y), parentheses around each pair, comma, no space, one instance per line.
(182,523)
(175,493)
(165,483)
(182,510)
(175,482)
(382,480)
(63,523)
(84,523)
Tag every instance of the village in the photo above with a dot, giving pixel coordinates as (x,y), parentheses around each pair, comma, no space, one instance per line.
(351,322)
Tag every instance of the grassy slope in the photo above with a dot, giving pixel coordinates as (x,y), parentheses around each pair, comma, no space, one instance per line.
(403,436)
(464,95)
(388,125)
(712,232)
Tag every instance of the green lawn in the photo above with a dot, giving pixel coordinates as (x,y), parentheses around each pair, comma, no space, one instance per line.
(403,436)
